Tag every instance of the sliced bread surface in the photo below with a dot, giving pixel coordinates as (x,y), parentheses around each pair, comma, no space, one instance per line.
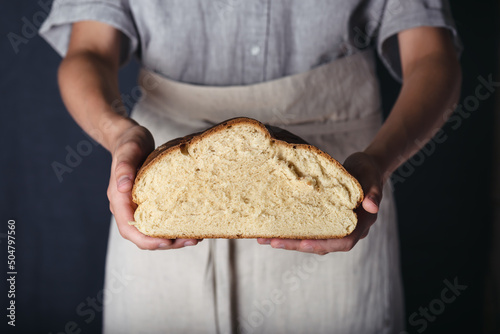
(243,179)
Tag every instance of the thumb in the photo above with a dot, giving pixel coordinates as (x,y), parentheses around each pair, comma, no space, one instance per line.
(365,169)
(372,187)
(127,161)
(372,199)
(125,174)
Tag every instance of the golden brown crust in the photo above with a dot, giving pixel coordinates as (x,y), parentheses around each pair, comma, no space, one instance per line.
(280,136)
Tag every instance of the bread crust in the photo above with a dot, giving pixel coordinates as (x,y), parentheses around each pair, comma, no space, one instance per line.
(223,236)
(276,134)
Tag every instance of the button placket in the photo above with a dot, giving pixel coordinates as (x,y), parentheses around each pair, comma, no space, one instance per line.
(254,62)
(255,50)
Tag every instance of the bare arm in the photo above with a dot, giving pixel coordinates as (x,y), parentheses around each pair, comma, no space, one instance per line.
(88,80)
(431,83)
(431,86)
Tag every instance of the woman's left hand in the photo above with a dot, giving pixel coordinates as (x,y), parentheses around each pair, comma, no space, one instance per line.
(365,169)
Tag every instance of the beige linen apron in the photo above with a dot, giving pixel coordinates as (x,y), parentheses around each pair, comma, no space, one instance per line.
(229,286)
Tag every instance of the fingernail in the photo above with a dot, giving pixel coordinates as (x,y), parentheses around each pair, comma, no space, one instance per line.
(163,245)
(265,242)
(189,243)
(124,179)
(280,246)
(374,200)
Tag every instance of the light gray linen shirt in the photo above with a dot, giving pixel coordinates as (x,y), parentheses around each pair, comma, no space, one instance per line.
(237,42)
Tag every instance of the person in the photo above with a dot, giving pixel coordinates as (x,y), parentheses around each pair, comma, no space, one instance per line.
(305,66)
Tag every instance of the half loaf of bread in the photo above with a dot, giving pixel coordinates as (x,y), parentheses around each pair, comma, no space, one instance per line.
(244,179)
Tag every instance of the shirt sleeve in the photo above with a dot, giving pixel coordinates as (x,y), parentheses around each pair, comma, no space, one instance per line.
(400,15)
(56,29)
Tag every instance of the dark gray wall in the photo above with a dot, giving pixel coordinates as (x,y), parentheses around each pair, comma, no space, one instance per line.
(62,227)
(444,206)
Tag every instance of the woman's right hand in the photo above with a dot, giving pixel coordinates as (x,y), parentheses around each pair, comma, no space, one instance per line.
(88,79)
(130,149)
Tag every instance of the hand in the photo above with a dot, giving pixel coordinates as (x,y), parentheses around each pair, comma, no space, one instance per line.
(130,149)
(364,168)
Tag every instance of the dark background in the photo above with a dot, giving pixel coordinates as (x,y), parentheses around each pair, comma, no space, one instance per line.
(444,206)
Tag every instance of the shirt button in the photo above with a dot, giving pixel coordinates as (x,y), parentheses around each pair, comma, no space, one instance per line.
(255,50)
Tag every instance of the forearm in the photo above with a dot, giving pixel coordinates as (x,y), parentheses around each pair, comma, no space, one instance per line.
(430,89)
(89,88)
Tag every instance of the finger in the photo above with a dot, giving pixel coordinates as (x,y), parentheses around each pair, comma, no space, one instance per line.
(306,246)
(325,246)
(264,241)
(180,243)
(317,246)
(289,244)
(312,246)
